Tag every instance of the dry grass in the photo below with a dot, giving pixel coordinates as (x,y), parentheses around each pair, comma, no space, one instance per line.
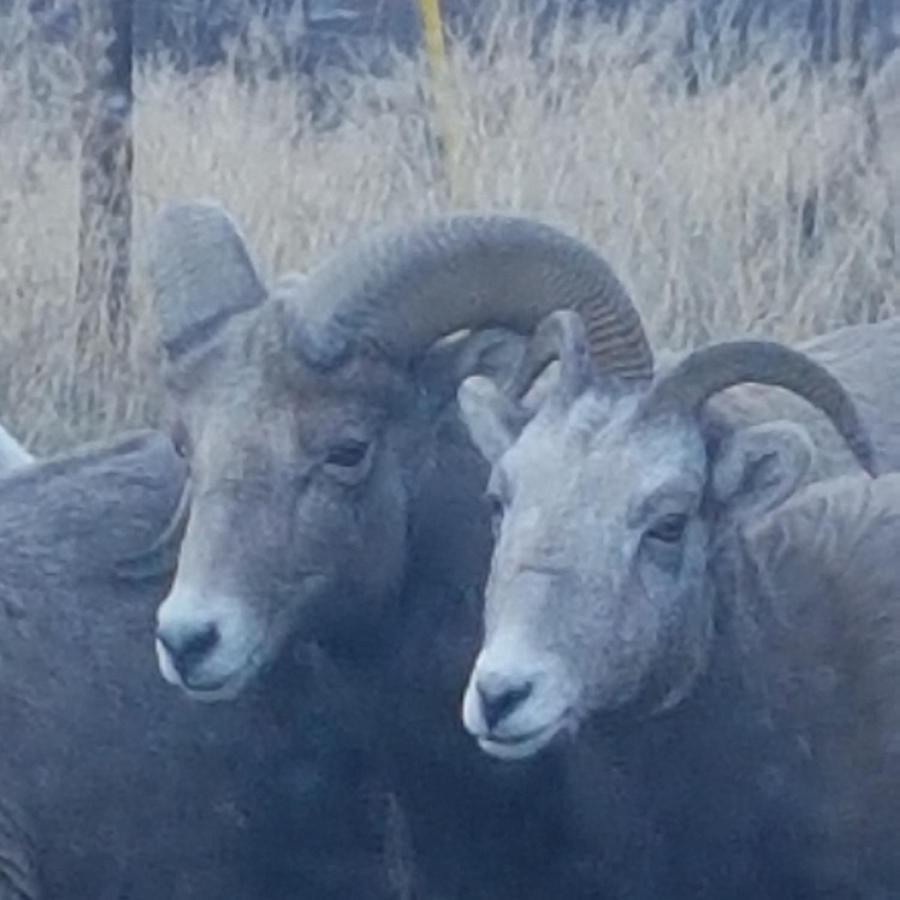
(695,200)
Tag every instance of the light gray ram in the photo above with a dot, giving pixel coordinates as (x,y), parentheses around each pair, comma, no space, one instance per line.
(108,788)
(622,599)
(335,497)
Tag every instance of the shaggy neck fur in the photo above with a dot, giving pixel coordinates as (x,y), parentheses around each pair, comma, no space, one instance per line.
(727,791)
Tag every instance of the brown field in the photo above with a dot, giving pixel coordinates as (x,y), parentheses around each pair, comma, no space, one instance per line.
(696,200)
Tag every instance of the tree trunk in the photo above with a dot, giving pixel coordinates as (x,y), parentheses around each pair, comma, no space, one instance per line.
(104,239)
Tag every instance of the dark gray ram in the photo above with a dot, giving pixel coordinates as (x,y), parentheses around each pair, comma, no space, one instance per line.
(335,497)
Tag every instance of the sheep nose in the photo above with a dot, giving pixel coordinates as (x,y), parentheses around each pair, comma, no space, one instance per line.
(500,697)
(188,645)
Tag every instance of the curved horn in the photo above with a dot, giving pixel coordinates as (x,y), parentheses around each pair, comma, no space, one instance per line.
(710,370)
(201,272)
(562,335)
(405,289)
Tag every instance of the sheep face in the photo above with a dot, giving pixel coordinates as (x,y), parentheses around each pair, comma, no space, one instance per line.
(596,593)
(298,502)
(599,597)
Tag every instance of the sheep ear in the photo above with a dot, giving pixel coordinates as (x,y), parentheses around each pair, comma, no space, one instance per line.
(201,274)
(758,468)
(493,419)
(493,352)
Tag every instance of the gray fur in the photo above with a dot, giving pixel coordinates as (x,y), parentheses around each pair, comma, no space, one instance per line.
(110,787)
(618,603)
(822,650)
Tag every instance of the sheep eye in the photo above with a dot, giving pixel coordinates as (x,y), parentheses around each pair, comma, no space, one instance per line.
(348,454)
(670,529)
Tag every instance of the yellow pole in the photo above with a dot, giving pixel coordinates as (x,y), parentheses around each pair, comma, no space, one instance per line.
(433,31)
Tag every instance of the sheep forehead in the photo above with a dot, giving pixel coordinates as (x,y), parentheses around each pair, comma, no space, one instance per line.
(236,447)
(267,424)
(602,449)
(259,384)
(565,431)
(265,353)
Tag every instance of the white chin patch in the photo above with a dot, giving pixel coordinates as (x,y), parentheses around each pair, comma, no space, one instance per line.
(165,666)
(528,746)
(222,694)
(473,720)
(228,689)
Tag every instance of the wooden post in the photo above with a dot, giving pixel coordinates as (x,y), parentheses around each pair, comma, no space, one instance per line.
(104,237)
(433,32)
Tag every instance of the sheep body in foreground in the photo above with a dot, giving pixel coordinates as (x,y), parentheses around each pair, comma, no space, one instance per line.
(109,786)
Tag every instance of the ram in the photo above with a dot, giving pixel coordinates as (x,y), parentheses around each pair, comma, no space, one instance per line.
(108,789)
(743,686)
(335,497)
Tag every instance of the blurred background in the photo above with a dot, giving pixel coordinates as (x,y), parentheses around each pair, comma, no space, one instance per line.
(738,162)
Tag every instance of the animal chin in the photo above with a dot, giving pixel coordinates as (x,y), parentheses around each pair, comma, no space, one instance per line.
(525,745)
(223,688)
(217,692)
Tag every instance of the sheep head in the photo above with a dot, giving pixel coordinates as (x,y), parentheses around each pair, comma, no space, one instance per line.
(605,500)
(307,412)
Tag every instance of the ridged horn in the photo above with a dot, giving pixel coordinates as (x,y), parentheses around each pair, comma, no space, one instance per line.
(712,369)
(201,273)
(560,336)
(405,289)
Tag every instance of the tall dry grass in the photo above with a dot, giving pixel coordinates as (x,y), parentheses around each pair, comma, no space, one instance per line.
(696,200)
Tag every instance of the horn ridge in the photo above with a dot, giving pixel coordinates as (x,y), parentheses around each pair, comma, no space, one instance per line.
(708,371)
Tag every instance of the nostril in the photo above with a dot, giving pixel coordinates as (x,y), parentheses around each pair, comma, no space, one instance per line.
(498,703)
(200,643)
(188,648)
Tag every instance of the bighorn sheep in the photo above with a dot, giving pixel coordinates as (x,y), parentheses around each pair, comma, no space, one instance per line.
(623,592)
(108,788)
(12,454)
(336,498)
